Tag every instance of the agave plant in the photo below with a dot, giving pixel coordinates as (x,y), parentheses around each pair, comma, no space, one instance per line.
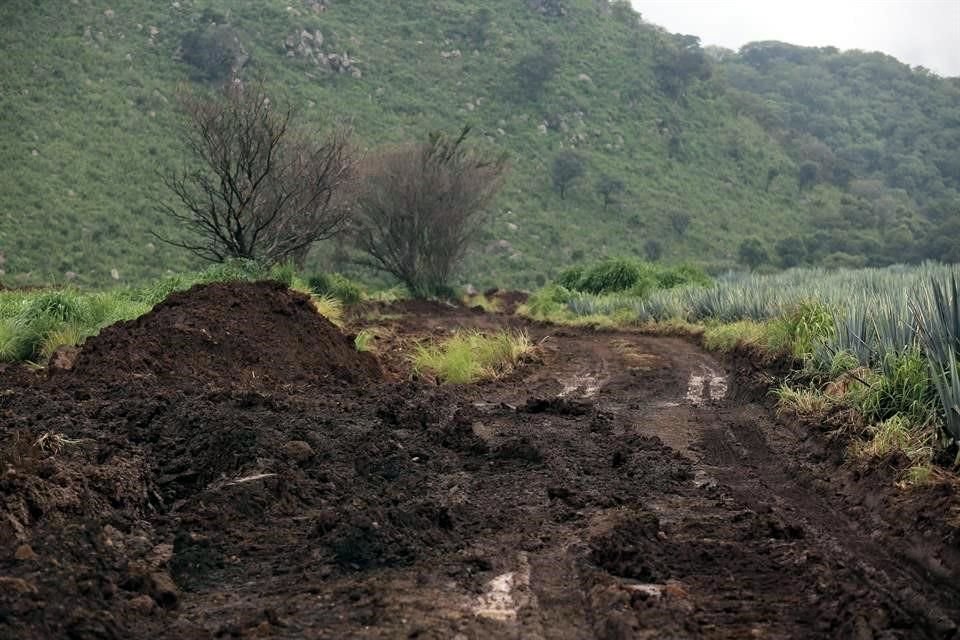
(947,382)
(938,318)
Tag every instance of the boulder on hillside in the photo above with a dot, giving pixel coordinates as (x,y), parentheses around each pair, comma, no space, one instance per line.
(308,46)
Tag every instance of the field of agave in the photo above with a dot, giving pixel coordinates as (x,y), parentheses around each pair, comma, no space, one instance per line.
(901,322)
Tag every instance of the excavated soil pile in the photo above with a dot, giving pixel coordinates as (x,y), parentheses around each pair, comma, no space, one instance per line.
(238,334)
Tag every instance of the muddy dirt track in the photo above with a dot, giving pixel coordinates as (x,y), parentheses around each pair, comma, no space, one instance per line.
(618,486)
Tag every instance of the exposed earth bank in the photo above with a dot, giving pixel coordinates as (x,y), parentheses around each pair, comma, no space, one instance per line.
(230,466)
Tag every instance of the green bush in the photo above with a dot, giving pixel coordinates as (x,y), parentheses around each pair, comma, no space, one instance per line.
(340,287)
(610,276)
(570,278)
(684,275)
(645,284)
(549,300)
(54,306)
(636,278)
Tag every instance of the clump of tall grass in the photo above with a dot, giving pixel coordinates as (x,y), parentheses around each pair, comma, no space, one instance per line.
(340,287)
(896,434)
(34,324)
(900,386)
(801,401)
(801,329)
(548,301)
(329,307)
(726,337)
(363,341)
(470,356)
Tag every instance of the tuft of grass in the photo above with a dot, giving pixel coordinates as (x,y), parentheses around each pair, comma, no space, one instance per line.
(547,303)
(393,294)
(841,363)
(470,356)
(902,386)
(329,307)
(919,475)
(804,402)
(801,329)
(286,272)
(364,340)
(725,337)
(482,301)
(896,435)
(53,306)
(66,335)
(13,346)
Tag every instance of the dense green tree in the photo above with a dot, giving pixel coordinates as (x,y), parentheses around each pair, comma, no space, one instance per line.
(752,253)
(808,174)
(680,63)
(534,71)
(610,189)
(214,52)
(791,251)
(568,167)
(653,250)
(854,115)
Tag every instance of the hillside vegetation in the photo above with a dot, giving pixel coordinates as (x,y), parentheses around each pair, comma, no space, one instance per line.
(683,158)
(886,134)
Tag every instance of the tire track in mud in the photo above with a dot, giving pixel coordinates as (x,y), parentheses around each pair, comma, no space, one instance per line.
(708,537)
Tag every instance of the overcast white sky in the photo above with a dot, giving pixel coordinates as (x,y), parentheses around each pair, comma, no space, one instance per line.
(918,32)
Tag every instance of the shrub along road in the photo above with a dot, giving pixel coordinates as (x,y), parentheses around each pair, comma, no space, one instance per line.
(620,486)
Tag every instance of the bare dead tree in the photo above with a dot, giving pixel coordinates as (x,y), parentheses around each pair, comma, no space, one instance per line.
(420,205)
(262,190)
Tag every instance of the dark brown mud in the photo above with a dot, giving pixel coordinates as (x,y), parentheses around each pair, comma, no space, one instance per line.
(623,486)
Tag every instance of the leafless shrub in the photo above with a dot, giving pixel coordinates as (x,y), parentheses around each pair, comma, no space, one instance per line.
(262,190)
(420,205)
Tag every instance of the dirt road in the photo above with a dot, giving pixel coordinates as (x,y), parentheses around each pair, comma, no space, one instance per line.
(624,486)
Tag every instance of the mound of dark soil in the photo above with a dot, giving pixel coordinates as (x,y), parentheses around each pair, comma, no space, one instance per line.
(238,334)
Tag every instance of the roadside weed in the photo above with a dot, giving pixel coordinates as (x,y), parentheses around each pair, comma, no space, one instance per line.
(329,307)
(469,356)
(364,340)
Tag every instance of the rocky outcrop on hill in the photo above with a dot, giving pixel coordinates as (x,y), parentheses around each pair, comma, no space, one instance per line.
(308,45)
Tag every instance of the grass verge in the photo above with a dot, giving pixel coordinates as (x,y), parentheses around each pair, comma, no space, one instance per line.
(35,323)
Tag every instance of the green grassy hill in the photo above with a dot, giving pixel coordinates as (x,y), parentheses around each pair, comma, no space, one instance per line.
(886,134)
(87,93)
